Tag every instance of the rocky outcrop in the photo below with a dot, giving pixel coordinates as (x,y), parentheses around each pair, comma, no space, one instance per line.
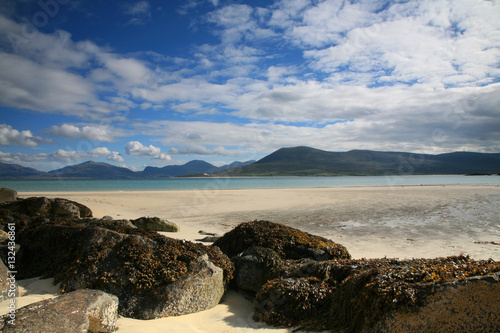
(37,210)
(287,242)
(155,224)
(79,311)
(152,275)
(384,295)
(7,195)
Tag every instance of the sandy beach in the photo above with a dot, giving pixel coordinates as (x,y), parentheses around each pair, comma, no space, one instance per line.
(402,222)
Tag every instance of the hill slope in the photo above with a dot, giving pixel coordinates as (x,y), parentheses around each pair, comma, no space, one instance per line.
(17,171)
(305,161)
(93,170)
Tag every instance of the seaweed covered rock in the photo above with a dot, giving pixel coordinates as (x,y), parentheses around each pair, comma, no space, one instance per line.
(155,224)
(287,242)
(254,267)
(147,271)
(375,295)
(79,311)
(36,210)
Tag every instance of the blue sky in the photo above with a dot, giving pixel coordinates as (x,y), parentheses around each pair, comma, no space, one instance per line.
(137,83)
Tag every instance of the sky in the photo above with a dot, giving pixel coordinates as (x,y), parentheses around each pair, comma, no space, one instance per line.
(137,83)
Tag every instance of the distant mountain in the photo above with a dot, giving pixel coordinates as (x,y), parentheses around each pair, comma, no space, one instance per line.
(18,171)
(93,170)
(305,161)
(190,168)
(234,165)
(195,167)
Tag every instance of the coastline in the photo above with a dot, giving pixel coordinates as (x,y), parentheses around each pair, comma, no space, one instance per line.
(372,222)
(403,222)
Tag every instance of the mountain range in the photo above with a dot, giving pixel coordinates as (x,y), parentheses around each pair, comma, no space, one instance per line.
(305,161)
(98,170)
(296,161)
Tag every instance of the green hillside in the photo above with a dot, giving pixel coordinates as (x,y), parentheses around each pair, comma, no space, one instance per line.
(305,161)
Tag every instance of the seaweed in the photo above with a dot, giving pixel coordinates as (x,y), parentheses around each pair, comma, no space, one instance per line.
(352,295)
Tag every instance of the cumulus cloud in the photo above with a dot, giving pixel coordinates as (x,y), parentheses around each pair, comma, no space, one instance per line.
(137,148)
(97,133)
(10,136)
(61,155)
(49,73)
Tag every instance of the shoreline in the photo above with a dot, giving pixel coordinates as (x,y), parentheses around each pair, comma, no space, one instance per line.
(397,221)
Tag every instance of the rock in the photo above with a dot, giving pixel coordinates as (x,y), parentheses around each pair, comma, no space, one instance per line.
(254,267)
(7,195)
(209,239)
(41,210)
(287,242)
(147,271)
(155,224)
(8,286)
(472,306)
(64,207)
(199,290)
(107,218)
(79,311)
(384,295)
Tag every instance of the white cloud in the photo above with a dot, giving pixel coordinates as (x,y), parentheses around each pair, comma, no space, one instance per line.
(136,148)
(97,133)
(10,136)
(61,155)
(141,12)
(202,150)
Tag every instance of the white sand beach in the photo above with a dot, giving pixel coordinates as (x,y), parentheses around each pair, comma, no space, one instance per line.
(402,222)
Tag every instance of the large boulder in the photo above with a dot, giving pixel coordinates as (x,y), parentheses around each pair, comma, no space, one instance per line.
(7,195)
(384,295)
(25,212)
(287,242)
(79,311)
(153,276)
(155,224)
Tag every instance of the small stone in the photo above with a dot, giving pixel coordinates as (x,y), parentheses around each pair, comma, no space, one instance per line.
(155,224)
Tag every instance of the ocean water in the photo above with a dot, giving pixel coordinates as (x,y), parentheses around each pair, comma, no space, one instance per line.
(243,183)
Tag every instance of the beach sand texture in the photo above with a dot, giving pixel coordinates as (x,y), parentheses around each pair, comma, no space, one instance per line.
(372,222)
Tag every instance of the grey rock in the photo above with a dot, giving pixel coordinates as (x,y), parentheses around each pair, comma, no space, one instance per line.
(202,288)
(7,195)
(79,311)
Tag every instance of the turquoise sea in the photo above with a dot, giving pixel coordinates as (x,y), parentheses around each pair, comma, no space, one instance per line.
(243,183)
